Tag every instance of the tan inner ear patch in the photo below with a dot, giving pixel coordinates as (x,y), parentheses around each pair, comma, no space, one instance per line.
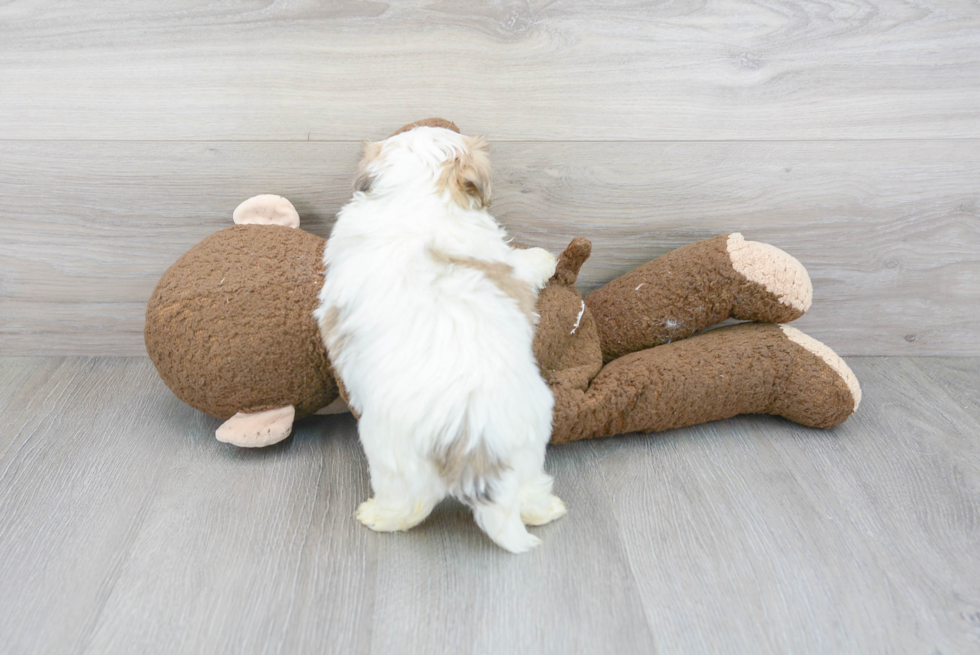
(780,273)
(266,209)
(258,429)
(502,275)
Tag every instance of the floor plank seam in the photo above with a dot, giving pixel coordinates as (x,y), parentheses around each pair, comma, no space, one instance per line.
(624,550)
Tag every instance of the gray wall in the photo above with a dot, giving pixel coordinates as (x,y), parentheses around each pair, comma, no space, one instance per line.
(846,134)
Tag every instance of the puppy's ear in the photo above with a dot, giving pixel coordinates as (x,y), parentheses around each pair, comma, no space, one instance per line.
(467,176)
(367,169)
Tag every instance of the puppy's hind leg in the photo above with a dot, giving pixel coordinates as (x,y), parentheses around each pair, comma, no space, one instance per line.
(498,513)
(402,498)
(538,505)
(406,485)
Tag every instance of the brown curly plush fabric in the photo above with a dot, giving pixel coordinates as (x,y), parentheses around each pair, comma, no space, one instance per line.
(751,368)
(677,295)
(230,325)
(230,329)
(744,369)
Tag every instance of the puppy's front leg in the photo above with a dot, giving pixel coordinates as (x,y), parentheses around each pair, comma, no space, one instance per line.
(534,265)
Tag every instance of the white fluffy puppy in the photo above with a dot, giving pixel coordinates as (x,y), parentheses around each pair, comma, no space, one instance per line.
(428,316)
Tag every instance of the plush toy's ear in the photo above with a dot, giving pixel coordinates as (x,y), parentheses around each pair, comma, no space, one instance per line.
(266,209)
(367,168)
(467,176)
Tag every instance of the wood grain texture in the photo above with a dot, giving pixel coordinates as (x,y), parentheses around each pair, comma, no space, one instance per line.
(75,488)
(959,378)
(889,230)
(573,594)
(125,527)
(810,541)
(518,70)
(268,534)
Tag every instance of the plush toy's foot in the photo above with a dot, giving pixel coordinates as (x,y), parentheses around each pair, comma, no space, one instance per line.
(695,287)
(266,209)
(753,368)
(813,394)
(785,281)
(258,429)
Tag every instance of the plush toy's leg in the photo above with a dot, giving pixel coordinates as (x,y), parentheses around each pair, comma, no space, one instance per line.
(743,369)
(257,429)
(266,209)
(694,287)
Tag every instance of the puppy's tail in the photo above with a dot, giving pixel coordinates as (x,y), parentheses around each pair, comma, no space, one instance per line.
(481,480)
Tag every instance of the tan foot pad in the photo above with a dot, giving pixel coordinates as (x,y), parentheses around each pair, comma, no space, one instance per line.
(829,357)
(258,429)
(777,271)
(267,209)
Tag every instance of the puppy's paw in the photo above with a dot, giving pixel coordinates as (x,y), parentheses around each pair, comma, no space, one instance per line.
(384,519)
(541,265)
(517,543)
(543,509)
(369,513)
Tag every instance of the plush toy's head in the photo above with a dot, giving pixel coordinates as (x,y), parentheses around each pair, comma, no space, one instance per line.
(230,325)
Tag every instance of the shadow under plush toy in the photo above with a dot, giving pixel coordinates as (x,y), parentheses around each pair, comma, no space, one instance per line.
(231,331)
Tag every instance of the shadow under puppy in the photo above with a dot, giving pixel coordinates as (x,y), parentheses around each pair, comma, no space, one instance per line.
(428,315)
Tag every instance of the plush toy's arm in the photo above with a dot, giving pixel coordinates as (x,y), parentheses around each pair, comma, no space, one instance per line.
(744,369)
(694,287)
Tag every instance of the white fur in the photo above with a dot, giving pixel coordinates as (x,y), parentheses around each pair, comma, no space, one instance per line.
(429,350)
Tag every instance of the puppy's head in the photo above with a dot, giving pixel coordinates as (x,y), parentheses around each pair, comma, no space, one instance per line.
(429,157)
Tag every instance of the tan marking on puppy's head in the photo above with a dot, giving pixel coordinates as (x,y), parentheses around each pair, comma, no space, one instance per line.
(367,167)
(467,176)
(427,122)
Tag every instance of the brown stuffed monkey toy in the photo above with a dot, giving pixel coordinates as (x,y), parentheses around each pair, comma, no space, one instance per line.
(231,331)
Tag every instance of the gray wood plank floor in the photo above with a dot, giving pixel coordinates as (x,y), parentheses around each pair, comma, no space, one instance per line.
(126,528)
